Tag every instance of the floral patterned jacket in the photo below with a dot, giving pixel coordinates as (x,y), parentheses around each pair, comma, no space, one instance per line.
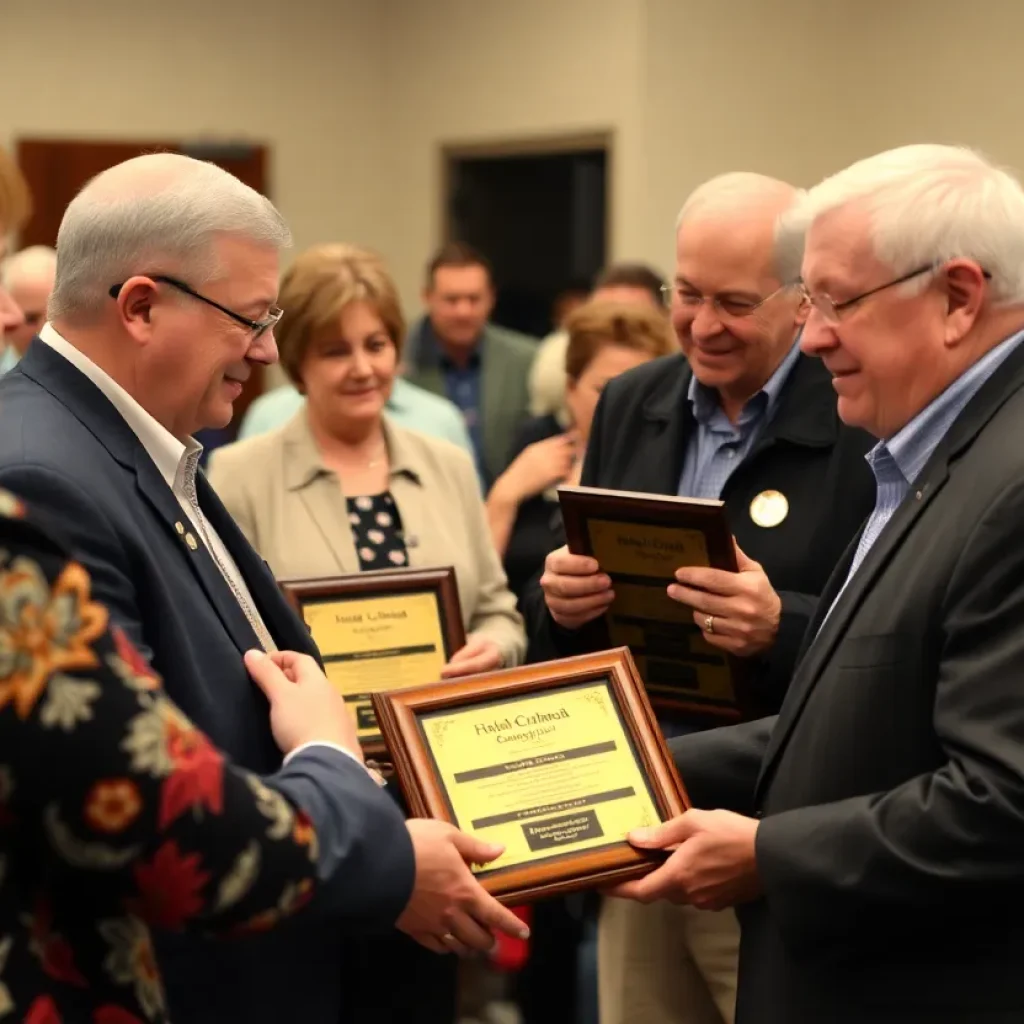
(116,814)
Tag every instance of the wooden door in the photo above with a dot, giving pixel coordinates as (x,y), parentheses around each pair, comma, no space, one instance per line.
(56,169)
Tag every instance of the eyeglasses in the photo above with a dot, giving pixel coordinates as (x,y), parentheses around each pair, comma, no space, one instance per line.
(832,311)
(723,305)
(256,326)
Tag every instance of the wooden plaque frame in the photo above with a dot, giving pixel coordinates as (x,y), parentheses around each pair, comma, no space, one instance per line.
(386,583)
(581,504)
(398,713)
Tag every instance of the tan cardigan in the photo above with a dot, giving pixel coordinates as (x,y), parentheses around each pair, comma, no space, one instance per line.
(292,510)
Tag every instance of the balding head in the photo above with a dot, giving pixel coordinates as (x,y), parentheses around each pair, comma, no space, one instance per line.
(157,214)
(734,314)
(28,278)
(755,203)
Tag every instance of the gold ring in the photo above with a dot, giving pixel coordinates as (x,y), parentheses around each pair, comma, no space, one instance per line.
(448,937)
(709,624)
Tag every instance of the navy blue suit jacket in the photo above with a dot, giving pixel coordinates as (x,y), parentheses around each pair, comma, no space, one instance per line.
(66,450)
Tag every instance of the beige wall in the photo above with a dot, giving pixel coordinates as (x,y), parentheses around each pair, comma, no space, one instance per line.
(297,75)
(356,97)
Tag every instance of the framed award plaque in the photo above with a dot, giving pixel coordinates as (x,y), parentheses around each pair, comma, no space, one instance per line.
(557,762)
(381,630)
(639,540)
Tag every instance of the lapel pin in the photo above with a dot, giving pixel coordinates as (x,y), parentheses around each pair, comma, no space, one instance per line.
(191,542)
(769,508)
(180,527)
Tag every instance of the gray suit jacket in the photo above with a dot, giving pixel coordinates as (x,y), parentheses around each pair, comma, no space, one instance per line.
(506,358)
(891,785)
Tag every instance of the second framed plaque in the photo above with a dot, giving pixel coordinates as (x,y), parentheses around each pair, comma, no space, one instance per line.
(639,540)
(378,631)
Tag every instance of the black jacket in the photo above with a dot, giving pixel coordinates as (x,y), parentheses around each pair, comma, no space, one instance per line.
(891,784)
(638,442)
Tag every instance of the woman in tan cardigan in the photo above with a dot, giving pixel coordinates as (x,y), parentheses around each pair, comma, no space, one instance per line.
(340,488)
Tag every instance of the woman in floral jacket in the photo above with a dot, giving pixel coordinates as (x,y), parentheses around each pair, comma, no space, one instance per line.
(116,814)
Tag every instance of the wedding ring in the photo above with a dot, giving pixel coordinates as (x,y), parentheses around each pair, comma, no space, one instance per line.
(448,938)
(709,624)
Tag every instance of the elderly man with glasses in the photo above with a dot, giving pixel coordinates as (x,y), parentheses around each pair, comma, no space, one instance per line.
(744,417)
(165,298)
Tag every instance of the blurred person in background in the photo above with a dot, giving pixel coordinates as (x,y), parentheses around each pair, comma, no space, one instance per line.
(27,276)
(456,352)
(605,338)
(620,282)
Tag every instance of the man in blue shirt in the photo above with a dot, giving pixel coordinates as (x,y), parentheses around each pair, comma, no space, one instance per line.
(455,352)
(870,835)
(743,417)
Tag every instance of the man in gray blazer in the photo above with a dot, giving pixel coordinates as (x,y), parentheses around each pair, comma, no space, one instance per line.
(874,829)
(455,352)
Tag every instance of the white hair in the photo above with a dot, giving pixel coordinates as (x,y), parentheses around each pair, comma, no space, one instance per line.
(34,263)
(159,213)
(743,193)
(927,204)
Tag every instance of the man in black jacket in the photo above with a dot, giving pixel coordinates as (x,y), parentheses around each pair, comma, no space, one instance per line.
(742,416)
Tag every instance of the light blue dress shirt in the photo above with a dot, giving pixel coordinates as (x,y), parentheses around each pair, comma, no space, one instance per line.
(409,405)
(718,446)
(898,462)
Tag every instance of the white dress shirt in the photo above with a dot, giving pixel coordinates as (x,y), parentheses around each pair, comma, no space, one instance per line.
(176,462)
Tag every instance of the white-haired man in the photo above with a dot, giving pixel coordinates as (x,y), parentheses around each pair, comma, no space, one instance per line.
(164,298)
(28,277)
(874,828)
(743,417)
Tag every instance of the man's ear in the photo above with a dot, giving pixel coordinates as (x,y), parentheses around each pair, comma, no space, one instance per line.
(966,289)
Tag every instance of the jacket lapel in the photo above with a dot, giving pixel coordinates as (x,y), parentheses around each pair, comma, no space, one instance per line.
(285,627)
(162,501)
(833,628)
(666,423)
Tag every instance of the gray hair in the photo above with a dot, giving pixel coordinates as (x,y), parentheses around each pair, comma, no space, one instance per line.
(927,204)
(36,262)
(741,193)
(159,213)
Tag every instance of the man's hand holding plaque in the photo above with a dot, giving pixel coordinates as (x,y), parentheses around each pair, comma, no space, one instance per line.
(449,911)
(737,612)
(712,862)
(575,590)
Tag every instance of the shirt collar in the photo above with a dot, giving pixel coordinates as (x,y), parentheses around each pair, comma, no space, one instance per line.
(304,463)
(171,456)
(911,447)
(704,400)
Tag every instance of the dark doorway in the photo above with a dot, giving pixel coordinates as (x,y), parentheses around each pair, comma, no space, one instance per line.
(539,216)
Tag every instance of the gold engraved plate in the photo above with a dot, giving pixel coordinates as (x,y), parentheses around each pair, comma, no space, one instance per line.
(769,508)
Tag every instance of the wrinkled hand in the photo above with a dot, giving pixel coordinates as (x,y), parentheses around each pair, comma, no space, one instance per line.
(304,706)
(713,865)
(478,655)
(744,607)
(537,467)
(575,590)
(449,911)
